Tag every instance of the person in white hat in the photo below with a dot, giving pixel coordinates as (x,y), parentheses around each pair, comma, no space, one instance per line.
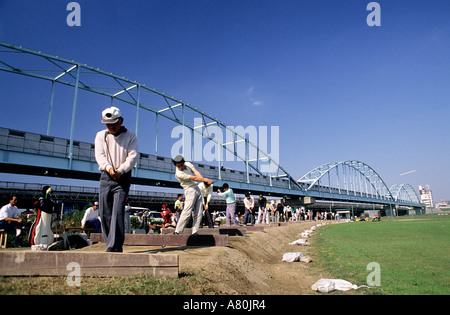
(116,153)
(91,219)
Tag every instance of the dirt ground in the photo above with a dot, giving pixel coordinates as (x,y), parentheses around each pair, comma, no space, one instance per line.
(250,265)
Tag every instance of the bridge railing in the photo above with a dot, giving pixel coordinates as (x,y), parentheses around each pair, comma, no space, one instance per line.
(20,141)
(27,142)
(334,190)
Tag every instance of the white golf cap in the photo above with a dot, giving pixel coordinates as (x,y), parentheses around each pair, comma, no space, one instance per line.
(111,115)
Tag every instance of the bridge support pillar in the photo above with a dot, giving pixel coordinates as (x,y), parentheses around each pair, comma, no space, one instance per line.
(396,208)
(419,210)
(302,201)
(390,210)
(308,200)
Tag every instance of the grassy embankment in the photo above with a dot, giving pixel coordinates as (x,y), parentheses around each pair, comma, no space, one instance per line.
(413,255)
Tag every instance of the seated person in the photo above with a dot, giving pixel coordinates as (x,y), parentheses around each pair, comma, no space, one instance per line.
(167,216)
(91,219)
(9,220)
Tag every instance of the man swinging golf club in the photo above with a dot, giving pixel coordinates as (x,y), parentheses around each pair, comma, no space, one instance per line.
(187,175)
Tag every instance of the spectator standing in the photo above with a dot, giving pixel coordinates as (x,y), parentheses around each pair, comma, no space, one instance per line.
(228,194)
(263,213)
(280,212)
(249,204)
(206,191)
(273,210)
(179,204)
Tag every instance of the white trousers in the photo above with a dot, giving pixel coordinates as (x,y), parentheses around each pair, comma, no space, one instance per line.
(193,206)
(264,214)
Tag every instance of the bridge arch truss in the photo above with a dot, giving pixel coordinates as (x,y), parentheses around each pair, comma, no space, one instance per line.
(404,193)
(357,179)
(347,178)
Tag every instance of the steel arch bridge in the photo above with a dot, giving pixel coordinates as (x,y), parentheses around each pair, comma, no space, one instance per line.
(404,193)
(348,181)
(356,179)
(351,177)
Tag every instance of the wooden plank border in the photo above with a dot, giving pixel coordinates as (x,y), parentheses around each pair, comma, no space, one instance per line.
(43,263)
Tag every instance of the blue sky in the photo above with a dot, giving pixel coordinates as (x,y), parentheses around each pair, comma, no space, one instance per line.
(338,89)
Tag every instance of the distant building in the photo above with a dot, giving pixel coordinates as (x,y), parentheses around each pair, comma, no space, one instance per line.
(443,205)
(426,196)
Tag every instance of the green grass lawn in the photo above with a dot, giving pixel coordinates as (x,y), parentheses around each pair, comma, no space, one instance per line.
(414,256)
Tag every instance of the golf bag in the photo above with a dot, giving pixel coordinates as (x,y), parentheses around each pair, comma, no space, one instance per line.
(41,231)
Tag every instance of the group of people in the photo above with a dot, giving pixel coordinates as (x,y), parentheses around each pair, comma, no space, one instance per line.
(12,221)
(210,217)
(198,196)
(116,153)
(15,222)
(197,193)
(272,211)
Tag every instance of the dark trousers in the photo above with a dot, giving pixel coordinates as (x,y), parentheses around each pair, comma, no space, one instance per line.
(249,214)
(207,216)
(112,198)
(10,228)
(94,224)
